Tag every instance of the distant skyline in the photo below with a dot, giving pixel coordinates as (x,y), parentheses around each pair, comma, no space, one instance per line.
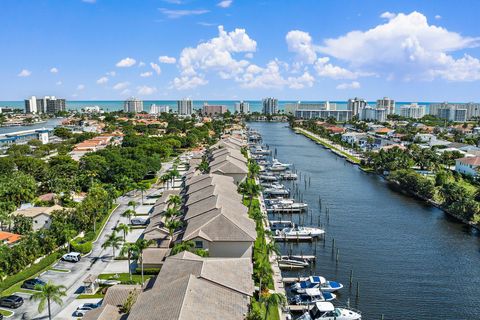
(232,49)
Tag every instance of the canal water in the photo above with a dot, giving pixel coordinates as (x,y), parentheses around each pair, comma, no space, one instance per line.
(410,260)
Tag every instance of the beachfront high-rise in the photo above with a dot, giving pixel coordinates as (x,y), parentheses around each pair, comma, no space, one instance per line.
(269,106)
(49,104)
(184,107)
(242,107)
(31,105)
(413,111)
(133,105)
(386,103)
(356,105)
(155,109)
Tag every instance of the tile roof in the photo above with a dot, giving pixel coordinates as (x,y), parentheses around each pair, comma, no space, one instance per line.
(36,211)
(9,238)
(117,294)
(474,161)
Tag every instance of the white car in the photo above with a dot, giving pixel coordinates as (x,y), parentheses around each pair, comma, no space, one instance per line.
(81,311)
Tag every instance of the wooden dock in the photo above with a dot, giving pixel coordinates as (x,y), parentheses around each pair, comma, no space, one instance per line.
(299,308)
(290,267)
(294,279)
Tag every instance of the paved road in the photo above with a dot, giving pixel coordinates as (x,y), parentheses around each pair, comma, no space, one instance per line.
(95,263)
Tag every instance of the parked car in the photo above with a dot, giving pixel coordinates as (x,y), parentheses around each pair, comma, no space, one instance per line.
(80,312)
(88,305)
(12,301)
(139,221)
(72,257)
(31,283)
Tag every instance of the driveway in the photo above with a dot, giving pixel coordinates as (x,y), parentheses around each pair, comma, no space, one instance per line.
(95,263)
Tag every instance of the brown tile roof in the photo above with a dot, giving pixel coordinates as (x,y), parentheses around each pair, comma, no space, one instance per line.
(474,161)
(117,294)
(8,237)
(36,211)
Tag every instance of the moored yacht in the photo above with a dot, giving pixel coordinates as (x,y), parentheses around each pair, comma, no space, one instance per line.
(327,311)
(277,190)
(301,231)
(292,262)
(280,225)
(316,282)
(311,296)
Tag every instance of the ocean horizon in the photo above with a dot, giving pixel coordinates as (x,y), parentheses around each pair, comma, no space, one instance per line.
(255,105)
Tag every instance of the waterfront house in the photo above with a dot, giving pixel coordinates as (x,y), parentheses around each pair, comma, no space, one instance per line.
(190,287)
(231,167)
(468,165)
(41,216)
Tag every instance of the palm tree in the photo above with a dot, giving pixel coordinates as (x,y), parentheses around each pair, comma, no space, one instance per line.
(140,245)
(203,167)
(174,173)
(253,169)
(165,178)
(174,200)
(272,247)
(143,186)
(170,213)
(262,270)
(113,241)
(128,249)
(124,228)
(132,204)
(183,246)
(46,294)
(173,225)
(273,300)
(128,214)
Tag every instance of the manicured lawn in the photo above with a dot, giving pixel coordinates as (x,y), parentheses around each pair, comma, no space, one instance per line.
(90,296)
(272,310)
(59,270)
(5,313)
(124,277)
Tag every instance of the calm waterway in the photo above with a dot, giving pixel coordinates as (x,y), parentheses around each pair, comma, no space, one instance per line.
(410,260)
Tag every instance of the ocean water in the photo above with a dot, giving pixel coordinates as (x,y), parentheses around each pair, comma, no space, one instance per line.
(115,105)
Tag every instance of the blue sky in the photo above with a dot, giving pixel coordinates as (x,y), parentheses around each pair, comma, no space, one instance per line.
(296,50)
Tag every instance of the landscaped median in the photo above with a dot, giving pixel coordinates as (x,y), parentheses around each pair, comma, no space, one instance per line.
(328,145)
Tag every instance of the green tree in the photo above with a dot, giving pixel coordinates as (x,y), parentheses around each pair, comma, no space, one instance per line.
(128,214)
(174,200)
(143,186)
(113,241)
(122,227)
(173,225)
(47,294)
(22,225)
(273,300)
(141,245)
(128,249)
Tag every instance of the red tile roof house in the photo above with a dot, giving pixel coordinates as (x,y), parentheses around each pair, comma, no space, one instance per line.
(8,238)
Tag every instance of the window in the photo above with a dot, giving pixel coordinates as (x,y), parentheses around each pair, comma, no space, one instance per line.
(198,244)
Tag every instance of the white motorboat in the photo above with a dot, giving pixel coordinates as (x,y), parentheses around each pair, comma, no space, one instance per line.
(327,311)
(280,224)
(301,231)
(287,205)
(312,296)
(288,176)
(316,282)
(261,151)
(277,190)
(268,177)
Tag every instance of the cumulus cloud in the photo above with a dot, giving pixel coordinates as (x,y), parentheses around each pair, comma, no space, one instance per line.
(111,74)
(146,74)
(388,15)
(121,85)
(225,3)
(146,90)
(53,70)
(24,73)
(215,55)
(80,87)
(326,69)
(438,17)
(186,82)
(167,59)
(174,14)
(59,83)
(125,63)
(142,64)
(156,68)
(305,80)
(407,46)
(102,80)
(349,85)
(89,1)
(300,42)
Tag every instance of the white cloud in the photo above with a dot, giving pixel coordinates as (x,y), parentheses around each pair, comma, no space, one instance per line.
(388,15)
(350,85)
(156,68)
(102,80)
(305,80)
(225,3)
(167,59)
(325,69)
(121,85)
(300,42)
(207,24)
(54,70)
(216,55)
(24,73)
(146,74)
(248,55)
(142,64)
(80,87)
(406,47)
(89,1)
(127,62)
(438,17)
(186,82)
(173,1)
(111,74)
(146,90)
(174,14)
(59,83)
(126,92)
(267,78)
